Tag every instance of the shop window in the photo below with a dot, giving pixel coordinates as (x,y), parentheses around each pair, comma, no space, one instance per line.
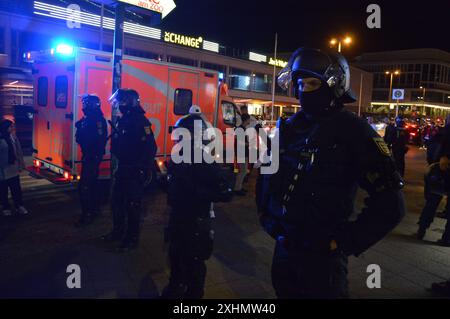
(42,93)
(229,113)
(240,79)
(262,83)
(182,101)
(61,87)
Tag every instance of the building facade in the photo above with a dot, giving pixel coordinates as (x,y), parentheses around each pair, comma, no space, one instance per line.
(34,25)
(423,75)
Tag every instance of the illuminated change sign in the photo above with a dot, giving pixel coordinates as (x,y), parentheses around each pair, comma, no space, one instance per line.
(183,40)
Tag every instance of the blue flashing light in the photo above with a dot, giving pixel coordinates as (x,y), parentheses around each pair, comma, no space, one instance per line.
(64,49)
(221,76)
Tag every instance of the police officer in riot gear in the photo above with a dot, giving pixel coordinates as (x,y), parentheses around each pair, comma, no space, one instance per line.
(193,186)
(326,152)
(397,140)
(134,146)
(91,135)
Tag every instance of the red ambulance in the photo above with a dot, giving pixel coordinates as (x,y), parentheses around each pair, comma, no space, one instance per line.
(64,73)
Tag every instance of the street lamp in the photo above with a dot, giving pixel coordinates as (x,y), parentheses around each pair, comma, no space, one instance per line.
(423,98)
(347,40)
(392,73)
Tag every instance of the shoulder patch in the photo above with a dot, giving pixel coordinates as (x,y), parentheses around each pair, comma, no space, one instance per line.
(382,146)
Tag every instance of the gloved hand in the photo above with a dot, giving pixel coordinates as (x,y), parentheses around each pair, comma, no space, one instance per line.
(444,163)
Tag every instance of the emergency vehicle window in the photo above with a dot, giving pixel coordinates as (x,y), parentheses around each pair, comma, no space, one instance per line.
(182,101)
(61,91)
(229,113)
(42,91)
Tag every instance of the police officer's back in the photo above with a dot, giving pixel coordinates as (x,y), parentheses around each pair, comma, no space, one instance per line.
(91,135)
(325,153)
(193,186)
(134,146)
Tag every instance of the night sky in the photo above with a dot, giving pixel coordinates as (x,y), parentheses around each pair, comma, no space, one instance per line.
(251,25)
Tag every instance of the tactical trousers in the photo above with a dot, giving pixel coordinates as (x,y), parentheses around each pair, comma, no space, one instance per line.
(399,158)
(191,244)
(429,212)
(309,274)
(127,205)
(88,188)
(12,184)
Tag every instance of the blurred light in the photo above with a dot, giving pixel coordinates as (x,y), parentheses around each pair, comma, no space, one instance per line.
(64,49)
(66,175)
(29,55)
(160,163)
(52,51)
(13,82)
(333,41)
(348,40)
(221,76)
(78,178)
(397,72)
(387,72)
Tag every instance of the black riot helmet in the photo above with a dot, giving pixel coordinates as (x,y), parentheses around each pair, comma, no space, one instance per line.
(91,103)
(127,100)
(196,124)
(331,68)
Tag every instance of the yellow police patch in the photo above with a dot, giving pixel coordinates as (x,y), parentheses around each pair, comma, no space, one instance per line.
(382,146)
(147,130)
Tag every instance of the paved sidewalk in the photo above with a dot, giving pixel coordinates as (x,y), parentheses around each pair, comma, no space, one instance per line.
(35,251)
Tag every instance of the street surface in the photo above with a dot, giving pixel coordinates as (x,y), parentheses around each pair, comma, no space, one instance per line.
(36,249)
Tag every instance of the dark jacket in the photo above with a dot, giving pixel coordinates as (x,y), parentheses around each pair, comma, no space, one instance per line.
(91,135)
(133,142)
(337,154)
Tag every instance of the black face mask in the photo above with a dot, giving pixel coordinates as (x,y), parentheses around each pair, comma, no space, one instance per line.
(124,108)
(316,103)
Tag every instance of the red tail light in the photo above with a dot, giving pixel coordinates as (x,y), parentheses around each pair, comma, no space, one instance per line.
(412,134)
(36,163)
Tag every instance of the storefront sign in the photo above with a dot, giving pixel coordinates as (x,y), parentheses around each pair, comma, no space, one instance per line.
(183,40)
(279,63)
(162,6)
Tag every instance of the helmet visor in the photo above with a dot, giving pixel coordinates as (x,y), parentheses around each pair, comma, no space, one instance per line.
(284,78)
(309,84)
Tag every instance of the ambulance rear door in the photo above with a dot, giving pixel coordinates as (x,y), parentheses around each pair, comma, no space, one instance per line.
(53,118)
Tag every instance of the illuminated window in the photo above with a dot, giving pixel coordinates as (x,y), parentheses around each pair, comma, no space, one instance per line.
(61,86)
(229,113)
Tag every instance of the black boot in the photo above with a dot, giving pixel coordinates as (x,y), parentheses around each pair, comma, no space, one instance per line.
(173,291)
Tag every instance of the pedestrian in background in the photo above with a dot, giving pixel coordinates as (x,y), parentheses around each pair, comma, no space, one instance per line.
(397,138)
(242,162)
(12,170)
